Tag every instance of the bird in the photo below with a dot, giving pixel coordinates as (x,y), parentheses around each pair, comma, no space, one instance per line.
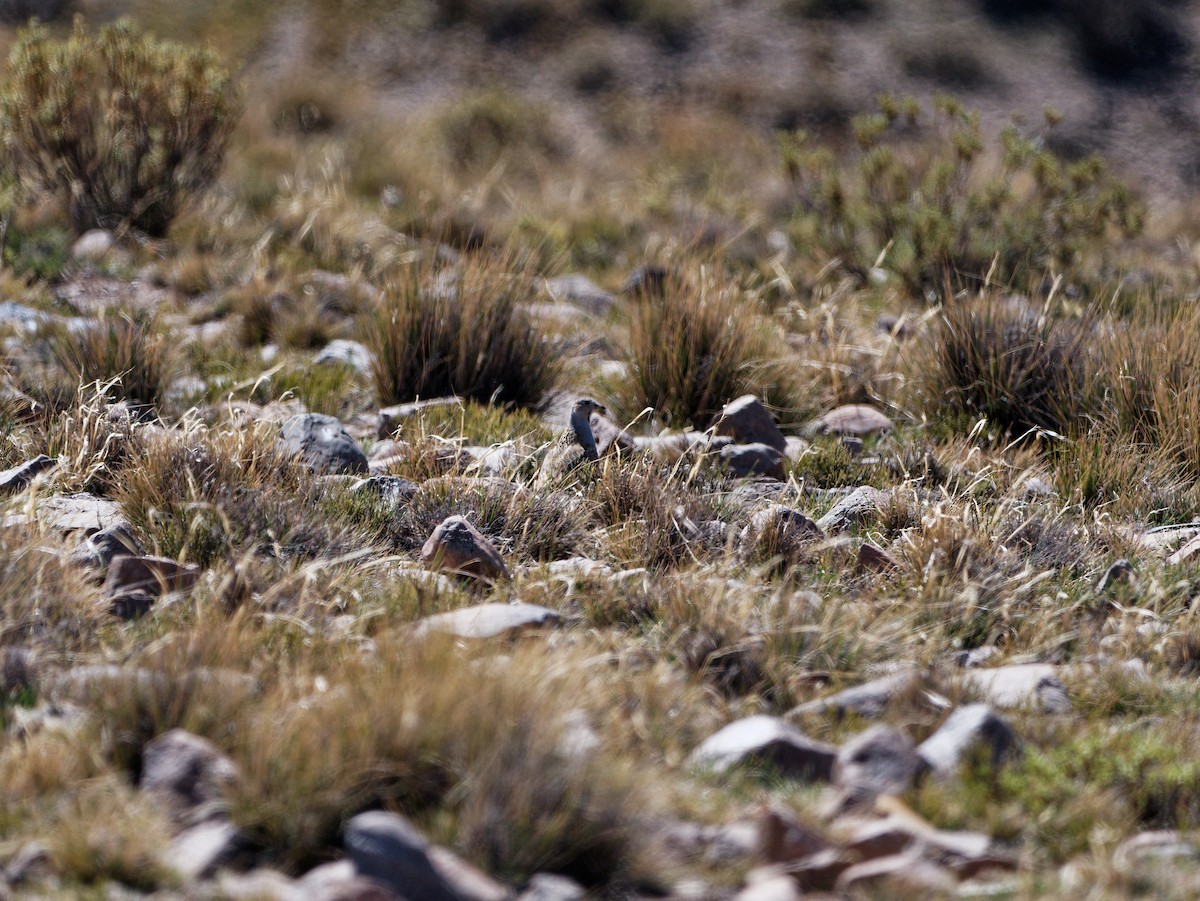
(574,447)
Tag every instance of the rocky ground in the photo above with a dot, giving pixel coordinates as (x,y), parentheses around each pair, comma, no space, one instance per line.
(437,516)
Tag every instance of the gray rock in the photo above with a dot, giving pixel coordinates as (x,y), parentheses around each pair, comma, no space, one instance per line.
(775,887)
(19,477)
(907,873)
(857,507)
(390,489)
(390,418)
(966,728)
(879,761)
(769,740)
(778,529)
(341,352)
(155,576)
(852,419)
(188,773)
(579,291)
(747,421)
(387,847)
(488,620)
(68,513)
(1021,684)
(551,887)
(867,700)
(745,460)
(26,318)
(322,443)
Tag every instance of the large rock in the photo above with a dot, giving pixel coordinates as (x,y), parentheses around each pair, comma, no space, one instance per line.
(879,761)
(968,727)
(488,620)
(101,548)
(579,291)
(322,443)
(155,576)
(69,513)
(767,740)
(744,460)
(346,353)
(551,887)
(388,848)
(1021,684)
(778,529)
(852,419)
(747,421)
(201,850)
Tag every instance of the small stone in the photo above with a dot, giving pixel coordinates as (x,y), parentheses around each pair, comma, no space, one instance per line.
(852,419)
(468,882)
(1120,572)
(390,489)
(387,847)
(322,443)
(579,291)
(341,352)
(795,448)
(745,460)
(879,761)
(488,620)
(94,245)
(1156,845)
(868,700)
(778,529)
(1187,551)
(189,773)
(32,862)
(552,887)
(339,881)
(767,740)
(966,728)
(457,546)
(858,507)
(648,282)
(872,559)
(19,477)
(747,421)
(154,576)
(610,437)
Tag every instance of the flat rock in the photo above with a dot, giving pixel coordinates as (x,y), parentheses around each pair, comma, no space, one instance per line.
(1187,551)
(879,761)
(852,419)
(744,460)
(18,477)
(341,352)
(871,559)
(781,838)
(859,506)
(767,740)
(904,872)
(388,848)
(968,727)
(68,513)
(579,291)
(391,417)
(1021,684)
(867,700)
(322,443)
(457,546)
(488,620)
(389,489)
(747,421)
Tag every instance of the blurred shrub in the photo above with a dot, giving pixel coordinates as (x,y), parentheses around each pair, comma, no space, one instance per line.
(482,126)
(925,200)
(122,350)
(14,12)
(122,127)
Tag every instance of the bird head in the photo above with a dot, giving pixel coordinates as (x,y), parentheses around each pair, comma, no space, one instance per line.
(585,407)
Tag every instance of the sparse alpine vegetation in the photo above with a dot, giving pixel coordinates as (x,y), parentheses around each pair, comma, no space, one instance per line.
(582,483)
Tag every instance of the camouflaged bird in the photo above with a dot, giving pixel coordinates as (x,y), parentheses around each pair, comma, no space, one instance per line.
(574,447)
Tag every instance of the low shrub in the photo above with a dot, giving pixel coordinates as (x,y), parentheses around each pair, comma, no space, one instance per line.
(122,128)
(924,200)
(122,350)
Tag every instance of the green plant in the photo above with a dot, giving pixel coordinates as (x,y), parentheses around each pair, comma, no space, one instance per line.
(927,200)
(121,127)
(467,335)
